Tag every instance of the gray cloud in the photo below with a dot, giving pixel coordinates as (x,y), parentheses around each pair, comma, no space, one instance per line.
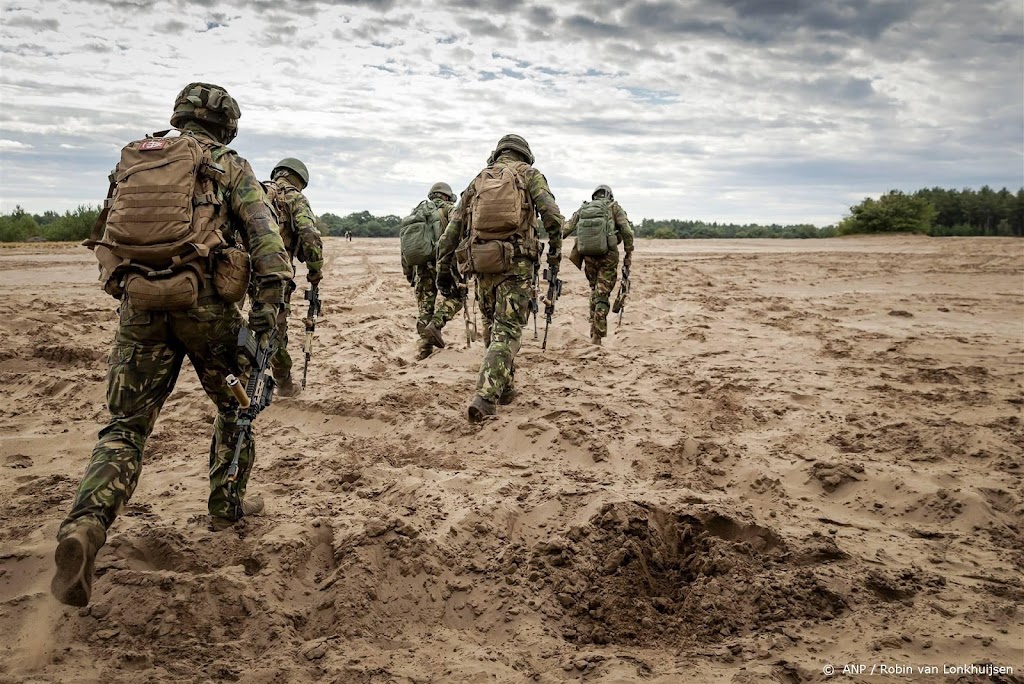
(34,23)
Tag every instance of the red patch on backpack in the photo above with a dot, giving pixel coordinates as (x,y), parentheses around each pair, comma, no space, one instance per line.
(153,144)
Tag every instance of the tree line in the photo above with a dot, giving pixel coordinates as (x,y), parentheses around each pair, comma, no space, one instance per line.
(930,211)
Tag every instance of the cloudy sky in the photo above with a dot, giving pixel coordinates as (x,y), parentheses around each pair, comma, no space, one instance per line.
(784,111)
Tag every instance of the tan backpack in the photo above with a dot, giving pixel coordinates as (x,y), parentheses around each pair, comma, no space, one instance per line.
(275,194)
(499,211)
(160,233)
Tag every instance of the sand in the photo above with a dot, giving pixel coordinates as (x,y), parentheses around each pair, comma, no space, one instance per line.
(792,454)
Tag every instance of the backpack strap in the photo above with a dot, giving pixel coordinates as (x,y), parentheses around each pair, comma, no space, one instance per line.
(96,234)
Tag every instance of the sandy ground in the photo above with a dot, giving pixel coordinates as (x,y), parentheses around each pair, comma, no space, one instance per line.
(792,454)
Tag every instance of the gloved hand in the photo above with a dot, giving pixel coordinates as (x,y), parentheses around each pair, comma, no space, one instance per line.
(445,282)
(554,257)
(314,277)
(627,262)
(262,318)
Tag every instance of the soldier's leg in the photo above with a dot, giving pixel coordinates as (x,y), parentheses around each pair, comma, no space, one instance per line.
(511,307)
(143,365)
(210,336)
(604,282)
(445,311)
(282,360)
(426,295)
(590,269)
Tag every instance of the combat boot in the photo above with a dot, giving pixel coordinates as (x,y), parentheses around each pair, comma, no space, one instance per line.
(595,339)
(287,388)
(479,409)
(76,559)
(430,332)
(251,506)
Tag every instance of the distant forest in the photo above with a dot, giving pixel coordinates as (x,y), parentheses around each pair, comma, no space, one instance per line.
(932,211)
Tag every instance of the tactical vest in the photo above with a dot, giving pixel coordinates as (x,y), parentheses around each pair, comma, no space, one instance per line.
(595,228)
(419,233)
(162,223)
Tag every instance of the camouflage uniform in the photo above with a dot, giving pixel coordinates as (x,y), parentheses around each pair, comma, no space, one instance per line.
(424,280)
(603,271)
(301,240)
(504,298)
(148,351)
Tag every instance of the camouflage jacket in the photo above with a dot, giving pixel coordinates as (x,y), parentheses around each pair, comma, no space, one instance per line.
(298,224)
(543,202)
(623,228)
(251,216)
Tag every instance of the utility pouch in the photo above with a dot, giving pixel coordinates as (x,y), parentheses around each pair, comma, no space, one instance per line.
(490,257)
(231,273)
(176,292)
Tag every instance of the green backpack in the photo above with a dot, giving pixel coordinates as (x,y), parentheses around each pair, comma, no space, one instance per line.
(595,229)
(419,233)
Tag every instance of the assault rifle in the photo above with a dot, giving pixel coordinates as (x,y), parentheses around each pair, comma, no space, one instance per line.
(312,295)
(535,291)
(620,299)
(554,291)
(257,394)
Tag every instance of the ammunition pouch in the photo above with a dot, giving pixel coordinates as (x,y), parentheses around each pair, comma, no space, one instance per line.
(231,273)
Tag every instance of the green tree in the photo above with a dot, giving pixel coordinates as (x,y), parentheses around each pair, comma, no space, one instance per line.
(893,212)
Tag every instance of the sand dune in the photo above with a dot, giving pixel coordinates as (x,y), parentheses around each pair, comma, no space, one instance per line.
(791,454)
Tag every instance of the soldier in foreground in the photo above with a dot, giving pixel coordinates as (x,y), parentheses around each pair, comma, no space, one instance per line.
(492,236)
(419,233)
(302,240)
(600,225)
(167,251)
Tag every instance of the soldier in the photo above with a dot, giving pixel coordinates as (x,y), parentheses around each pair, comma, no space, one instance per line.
(429,216)
(302,240)
(151,343)
(601,225)
(492,235)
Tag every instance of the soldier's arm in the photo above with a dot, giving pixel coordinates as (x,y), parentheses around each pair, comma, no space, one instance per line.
(570,226)
(271,269)
(544,202)
(623,227)
(449,241)
(311,245)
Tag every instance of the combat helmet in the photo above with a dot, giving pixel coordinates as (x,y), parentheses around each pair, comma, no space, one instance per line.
(295,166)
(605,188)
(210,103)
(514,142)
(444,189)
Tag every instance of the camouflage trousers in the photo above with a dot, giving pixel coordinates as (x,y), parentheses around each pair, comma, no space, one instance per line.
(602,272)
(504,301)
(429,309)
(281,362)
(144,362)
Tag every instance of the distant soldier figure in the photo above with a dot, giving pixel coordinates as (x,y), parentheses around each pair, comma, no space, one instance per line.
(492,236)
(302,240)
(348,236)
(167,250)
(419,232)
(600,225)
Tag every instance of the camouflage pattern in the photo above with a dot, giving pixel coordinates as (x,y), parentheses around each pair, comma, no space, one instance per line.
(147,354)
(504,298)
(302,240)
(430,310)
(603,272)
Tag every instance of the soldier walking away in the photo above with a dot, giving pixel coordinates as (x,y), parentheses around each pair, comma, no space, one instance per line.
(492,236)
(419,232)
(302,240)
(348,235)
(600,225)
(167,251)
